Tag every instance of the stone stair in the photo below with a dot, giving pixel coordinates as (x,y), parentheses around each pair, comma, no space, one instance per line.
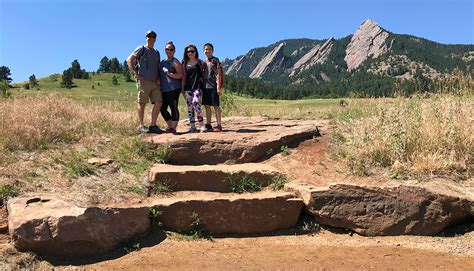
(199,173)
(220,213)
(213,178)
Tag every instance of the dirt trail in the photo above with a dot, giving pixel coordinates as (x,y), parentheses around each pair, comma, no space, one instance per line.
(324,251)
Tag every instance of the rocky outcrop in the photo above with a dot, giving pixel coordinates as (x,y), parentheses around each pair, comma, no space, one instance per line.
(247,140)
(273,57)
(402,210)
(317,55)
(54,227)
(214,178)
(235,66)
(368,41)
(244,213)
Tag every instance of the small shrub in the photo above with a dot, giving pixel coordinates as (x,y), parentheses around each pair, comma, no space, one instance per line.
(278,182)
(245,184)
(131,246)
(227,102)
(285,151)
(161,188)
(154,216)
(198,228)
(7,191)
(310,227)
(4,89)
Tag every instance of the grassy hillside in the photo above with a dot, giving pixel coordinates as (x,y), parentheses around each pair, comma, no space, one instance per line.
(97,89)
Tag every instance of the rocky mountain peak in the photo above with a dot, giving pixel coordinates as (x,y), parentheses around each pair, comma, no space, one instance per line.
(367,41)
(318,54)
(268,60)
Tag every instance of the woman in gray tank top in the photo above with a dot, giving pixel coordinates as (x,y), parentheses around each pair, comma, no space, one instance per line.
(171,73)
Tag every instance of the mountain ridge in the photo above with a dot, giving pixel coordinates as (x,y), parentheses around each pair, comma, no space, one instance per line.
(371,50)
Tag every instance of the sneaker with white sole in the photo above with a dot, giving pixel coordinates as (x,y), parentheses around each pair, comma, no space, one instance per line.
(142,129)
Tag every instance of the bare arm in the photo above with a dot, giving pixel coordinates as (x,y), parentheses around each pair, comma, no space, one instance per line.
(219,80)
(179,70)
(132,69)
(184,78)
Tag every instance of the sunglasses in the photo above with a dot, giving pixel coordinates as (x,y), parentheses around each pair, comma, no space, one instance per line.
(151,37)
(169,49)
(191,52)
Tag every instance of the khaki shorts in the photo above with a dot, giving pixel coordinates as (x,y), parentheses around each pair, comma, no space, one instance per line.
(148,91)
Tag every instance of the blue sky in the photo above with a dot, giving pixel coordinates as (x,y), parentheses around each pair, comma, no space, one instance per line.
(42,37)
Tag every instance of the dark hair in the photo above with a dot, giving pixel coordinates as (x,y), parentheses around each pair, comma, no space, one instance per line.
(170,43)
(186,57)
(210,45)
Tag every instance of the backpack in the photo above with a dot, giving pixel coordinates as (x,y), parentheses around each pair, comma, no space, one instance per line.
(140,54)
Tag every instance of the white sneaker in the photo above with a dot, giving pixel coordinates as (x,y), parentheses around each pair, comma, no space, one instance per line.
(142,129)
(202,129)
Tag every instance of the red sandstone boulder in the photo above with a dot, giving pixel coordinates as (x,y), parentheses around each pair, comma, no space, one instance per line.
(402,210)
(58,228)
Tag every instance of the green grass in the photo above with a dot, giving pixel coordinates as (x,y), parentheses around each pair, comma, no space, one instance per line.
(246,184)
(278,182)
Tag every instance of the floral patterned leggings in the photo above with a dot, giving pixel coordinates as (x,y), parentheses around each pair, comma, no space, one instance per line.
(192,99)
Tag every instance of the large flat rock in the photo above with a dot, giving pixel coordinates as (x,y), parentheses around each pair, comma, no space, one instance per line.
(226,213)
(213,178)
(372,211)
(54,227)
(243,140)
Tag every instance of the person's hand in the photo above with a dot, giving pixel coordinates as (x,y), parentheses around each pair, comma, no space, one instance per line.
(157,82)
(219,91)
(140,78)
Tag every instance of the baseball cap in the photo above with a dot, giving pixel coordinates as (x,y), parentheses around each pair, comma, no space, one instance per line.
(150,33)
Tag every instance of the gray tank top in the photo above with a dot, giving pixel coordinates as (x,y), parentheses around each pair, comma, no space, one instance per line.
(167,83)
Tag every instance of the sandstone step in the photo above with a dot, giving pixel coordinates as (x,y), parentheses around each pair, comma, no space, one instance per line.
(230,213)
(50,226)
(214,178)
(243,140)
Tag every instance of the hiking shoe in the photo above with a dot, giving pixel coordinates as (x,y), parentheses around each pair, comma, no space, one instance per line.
(208,128)
(154,130)
(218,128)
(193,130)
(202,129)
(142,129)
(170,130)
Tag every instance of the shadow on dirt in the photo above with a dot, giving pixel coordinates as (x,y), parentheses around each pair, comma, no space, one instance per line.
(153,238)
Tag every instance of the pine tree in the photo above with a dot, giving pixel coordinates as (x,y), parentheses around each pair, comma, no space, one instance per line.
(76,69)
(104,65)
(67,79)
(33,81)
(5,74)
(115,65)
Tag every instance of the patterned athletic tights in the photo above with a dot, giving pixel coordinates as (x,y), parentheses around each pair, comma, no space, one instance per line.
(192,99)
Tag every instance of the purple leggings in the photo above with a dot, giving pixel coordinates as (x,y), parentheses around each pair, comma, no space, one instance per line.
(192,99)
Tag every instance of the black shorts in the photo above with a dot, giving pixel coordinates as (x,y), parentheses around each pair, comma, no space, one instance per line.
(210,97)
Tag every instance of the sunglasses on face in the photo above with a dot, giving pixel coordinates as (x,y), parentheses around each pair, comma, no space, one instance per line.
(191,52)
(151,37)
(169,49)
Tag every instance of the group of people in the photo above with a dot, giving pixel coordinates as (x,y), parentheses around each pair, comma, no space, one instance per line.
(162,81)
